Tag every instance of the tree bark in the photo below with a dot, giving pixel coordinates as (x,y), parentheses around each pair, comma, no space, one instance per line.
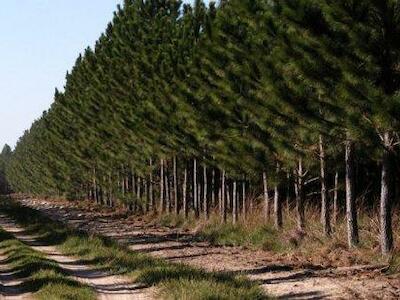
(213,189)
(325,212)
(184,197)
(223,201)
(299,190)
(335,199)
(277,204)
(244,199)
(162,206)
(386,197)
(205,190)
(266,197)
(167,194)
(176,203)
(151,195)
(351,210)
(234,204)
(195,200)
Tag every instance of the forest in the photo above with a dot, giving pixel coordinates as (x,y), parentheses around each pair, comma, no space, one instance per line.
(229,109)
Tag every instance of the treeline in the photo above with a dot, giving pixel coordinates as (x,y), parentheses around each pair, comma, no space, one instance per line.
(200,109)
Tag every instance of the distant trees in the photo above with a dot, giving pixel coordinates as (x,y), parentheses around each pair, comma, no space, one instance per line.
(5,157)
(193,109)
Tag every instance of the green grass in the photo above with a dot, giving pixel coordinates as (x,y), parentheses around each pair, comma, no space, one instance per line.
(42,276)
(175,281)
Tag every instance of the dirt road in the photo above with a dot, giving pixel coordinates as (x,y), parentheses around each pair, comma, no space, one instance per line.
(106,286)
(277,275)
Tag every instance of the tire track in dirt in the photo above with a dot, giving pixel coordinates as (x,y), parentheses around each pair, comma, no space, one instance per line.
(107,286)
(277,276)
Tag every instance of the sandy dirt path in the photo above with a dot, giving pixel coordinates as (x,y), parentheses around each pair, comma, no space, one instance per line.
(107,286)
(279,276)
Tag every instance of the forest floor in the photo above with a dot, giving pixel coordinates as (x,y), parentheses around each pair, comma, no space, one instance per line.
(278,275)
(105,285)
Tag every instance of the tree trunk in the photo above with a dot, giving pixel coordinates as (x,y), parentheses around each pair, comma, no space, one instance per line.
(234,204)
(151,195)
(223,201)
(325,212)
(176,204)
(266,197)
(184,188)
(139,194)
(195,200)
(167,194)
(386,198)
(277,204)
(213,189)
(351,210)
(162,206)
(335,199)
(288,191)
(244,199)
(205,190)
(299,190)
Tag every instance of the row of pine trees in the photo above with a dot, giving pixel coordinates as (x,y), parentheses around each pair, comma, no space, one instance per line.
(227,108)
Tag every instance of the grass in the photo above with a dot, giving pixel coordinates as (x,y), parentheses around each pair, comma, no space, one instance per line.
(175,281)
(44,277)
(303,248)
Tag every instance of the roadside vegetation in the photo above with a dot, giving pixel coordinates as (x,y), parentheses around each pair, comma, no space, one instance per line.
(40,275)
(175,281)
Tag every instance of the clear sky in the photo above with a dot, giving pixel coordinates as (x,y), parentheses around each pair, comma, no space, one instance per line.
(39,42)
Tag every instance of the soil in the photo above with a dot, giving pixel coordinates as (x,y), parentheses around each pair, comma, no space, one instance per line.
(106,286)
(278,275)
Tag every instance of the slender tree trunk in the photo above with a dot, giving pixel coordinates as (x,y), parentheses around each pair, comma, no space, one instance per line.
(277,204)
(139,194)
(288,191)
(167,194)
(133,204)
(299,190)
(266,197)
(213,189)
(335,199)
(146,196)
(325,212)
(176,204)
(244,199)
(184,188)
(351,210)
(223,201)
(234,204)
(162,206)
(151,194)
(205,192)
(195,200)
(386,198)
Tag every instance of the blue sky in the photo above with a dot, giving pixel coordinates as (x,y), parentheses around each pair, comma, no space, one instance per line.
(39,42)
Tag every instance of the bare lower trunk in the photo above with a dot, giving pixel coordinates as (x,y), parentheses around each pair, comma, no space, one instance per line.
(223,201)
(195,199)
(244,198)
(277,204)
(266,197)
(335,199)
(299,190)
(386,198)
(167,194)
(176,204)
(151,196)
(351,210)
(162,206)
(234,204)
(184,197)
(205,202)
(325,212)
(213,189)
(139,194)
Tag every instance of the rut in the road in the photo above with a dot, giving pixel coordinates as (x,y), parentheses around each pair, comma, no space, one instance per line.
(107,286)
